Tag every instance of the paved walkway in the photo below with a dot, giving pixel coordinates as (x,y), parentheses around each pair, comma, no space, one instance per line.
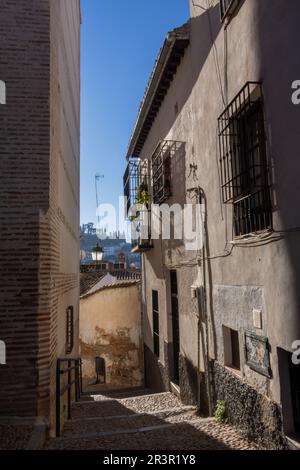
(141,420)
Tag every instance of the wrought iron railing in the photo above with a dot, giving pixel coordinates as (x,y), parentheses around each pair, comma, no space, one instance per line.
(136,184)
(73,369)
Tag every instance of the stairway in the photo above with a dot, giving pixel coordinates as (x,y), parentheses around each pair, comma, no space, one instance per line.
(142,420)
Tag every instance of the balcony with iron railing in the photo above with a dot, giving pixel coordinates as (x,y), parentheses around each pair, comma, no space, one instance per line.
(137,191)
(147,182)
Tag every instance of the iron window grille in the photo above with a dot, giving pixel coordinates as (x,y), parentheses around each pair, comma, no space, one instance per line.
(161,170)
(243,160)
(69,329)
(227,7)
(136,184)
(155,316)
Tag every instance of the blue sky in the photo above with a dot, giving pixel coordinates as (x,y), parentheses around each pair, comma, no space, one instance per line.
(120,42)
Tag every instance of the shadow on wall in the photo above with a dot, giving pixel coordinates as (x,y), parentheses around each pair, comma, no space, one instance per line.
(284,140)
(279,67)
(279,63)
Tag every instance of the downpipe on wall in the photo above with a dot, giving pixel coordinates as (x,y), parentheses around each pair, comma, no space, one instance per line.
(202,317)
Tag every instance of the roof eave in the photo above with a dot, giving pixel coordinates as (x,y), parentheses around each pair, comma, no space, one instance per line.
(163,73)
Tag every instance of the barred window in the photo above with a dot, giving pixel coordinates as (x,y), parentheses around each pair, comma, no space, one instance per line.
(69,329)
(227,7)
(161,170)
(243,161)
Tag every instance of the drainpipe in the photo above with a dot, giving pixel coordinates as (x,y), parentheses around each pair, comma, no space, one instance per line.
(200,287)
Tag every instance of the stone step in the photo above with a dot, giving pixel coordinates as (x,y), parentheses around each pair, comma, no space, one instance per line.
(192,434)
(116,394)
(105,406)
(124,423)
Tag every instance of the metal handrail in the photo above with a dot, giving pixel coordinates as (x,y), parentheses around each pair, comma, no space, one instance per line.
(72,365)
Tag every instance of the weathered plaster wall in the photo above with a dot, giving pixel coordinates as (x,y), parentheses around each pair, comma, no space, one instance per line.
(254,47)
(110,327)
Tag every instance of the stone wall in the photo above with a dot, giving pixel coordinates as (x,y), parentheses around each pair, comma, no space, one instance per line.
(257,416)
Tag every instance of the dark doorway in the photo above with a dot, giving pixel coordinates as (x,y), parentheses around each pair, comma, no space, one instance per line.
(155,318)
(175,326)
(295,390)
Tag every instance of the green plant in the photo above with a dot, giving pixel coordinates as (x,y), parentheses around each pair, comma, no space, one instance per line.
(220,412)
(143,195)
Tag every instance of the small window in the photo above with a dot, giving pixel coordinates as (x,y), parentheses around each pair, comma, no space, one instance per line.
(155,316)
(161,173)
(231,348)
(69,330)
(161,169)
(227,8)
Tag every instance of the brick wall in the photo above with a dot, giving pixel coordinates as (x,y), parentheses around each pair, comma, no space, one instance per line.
(64,176)
(39,194)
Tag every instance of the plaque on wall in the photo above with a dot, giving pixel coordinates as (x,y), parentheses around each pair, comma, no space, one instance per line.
(257,353)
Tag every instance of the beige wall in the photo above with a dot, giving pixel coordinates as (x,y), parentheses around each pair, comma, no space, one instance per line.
(110,327)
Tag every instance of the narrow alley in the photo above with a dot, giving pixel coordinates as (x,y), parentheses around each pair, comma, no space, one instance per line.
(142,420)
(149,231)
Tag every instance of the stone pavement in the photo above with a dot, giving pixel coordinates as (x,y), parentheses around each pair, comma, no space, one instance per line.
(14,437)
(141,420)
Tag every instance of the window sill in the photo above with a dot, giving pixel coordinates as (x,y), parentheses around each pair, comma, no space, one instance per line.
(254,236)
(236,372)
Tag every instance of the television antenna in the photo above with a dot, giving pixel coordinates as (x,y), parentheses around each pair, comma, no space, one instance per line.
(98,177)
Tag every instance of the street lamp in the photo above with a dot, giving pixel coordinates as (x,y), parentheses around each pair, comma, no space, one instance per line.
(82,255)
(97,253)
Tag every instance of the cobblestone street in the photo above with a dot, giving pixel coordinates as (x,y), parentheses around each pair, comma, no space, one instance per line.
(141,420)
